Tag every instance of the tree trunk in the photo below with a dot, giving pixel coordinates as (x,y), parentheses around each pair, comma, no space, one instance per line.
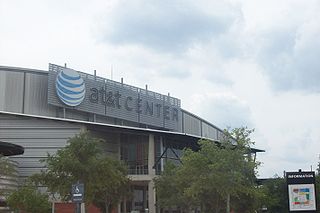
(216,206)
(228,203)
(107,207)
(125,205)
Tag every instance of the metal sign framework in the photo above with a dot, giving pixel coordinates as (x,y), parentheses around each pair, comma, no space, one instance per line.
(114,99)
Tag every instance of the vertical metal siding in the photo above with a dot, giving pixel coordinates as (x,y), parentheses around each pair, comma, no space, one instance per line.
(195,125)
(36,95)
(12,91)
(191,124)
(2,89)
(209,131)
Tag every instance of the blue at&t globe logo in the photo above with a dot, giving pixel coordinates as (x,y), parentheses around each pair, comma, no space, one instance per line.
(70,87)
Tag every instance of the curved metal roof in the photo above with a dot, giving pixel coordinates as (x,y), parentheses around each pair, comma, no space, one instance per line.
(9,149)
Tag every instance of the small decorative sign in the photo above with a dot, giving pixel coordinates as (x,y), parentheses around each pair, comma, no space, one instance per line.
(77,192)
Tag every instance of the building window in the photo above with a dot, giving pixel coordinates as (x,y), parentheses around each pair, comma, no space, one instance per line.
(134,151)
(167,150)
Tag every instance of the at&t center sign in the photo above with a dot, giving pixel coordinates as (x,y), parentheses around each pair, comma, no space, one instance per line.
(68,88)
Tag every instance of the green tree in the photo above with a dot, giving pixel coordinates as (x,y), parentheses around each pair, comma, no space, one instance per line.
(29,200)
(318,185)
(84,160)
(6,169)
(207,178)
(170,189)
(318,190)
(274,195)
(6,166)
(109,193)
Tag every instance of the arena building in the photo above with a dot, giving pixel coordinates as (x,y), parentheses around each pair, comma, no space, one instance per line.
(40,110)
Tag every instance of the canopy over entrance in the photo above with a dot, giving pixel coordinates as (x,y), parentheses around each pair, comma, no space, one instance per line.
(8,149)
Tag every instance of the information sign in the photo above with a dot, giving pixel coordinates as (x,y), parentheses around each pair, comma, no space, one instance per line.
(301,191)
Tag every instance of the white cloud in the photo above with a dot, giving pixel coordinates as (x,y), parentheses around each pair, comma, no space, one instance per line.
(223,109)
(170,26)
(284,41)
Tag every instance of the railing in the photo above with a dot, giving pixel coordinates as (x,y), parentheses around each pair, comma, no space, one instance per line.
(137,168)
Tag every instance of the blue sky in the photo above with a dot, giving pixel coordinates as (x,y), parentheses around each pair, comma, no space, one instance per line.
(234,63)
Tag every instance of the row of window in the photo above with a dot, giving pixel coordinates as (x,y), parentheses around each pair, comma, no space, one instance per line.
(134,151)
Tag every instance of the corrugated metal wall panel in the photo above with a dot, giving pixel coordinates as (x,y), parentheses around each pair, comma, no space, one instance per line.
(155,116)
(192,125)
(25,162)
(104,119)
(38,136)
(36,93)
(38,142)
(12,89)
(2,89)
(195,125)
(38,132)
(121,113)
(8,121)
(26,172)
(77,115)
(209,131)
(39,152)
(169,124)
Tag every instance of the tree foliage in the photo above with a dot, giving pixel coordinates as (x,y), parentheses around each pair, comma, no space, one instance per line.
(109,193)
(318,190)
(318,184)
(29,200)
(6,170)
(208,176)
(84,160)
(274,195)
(170,189)
(6,166)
